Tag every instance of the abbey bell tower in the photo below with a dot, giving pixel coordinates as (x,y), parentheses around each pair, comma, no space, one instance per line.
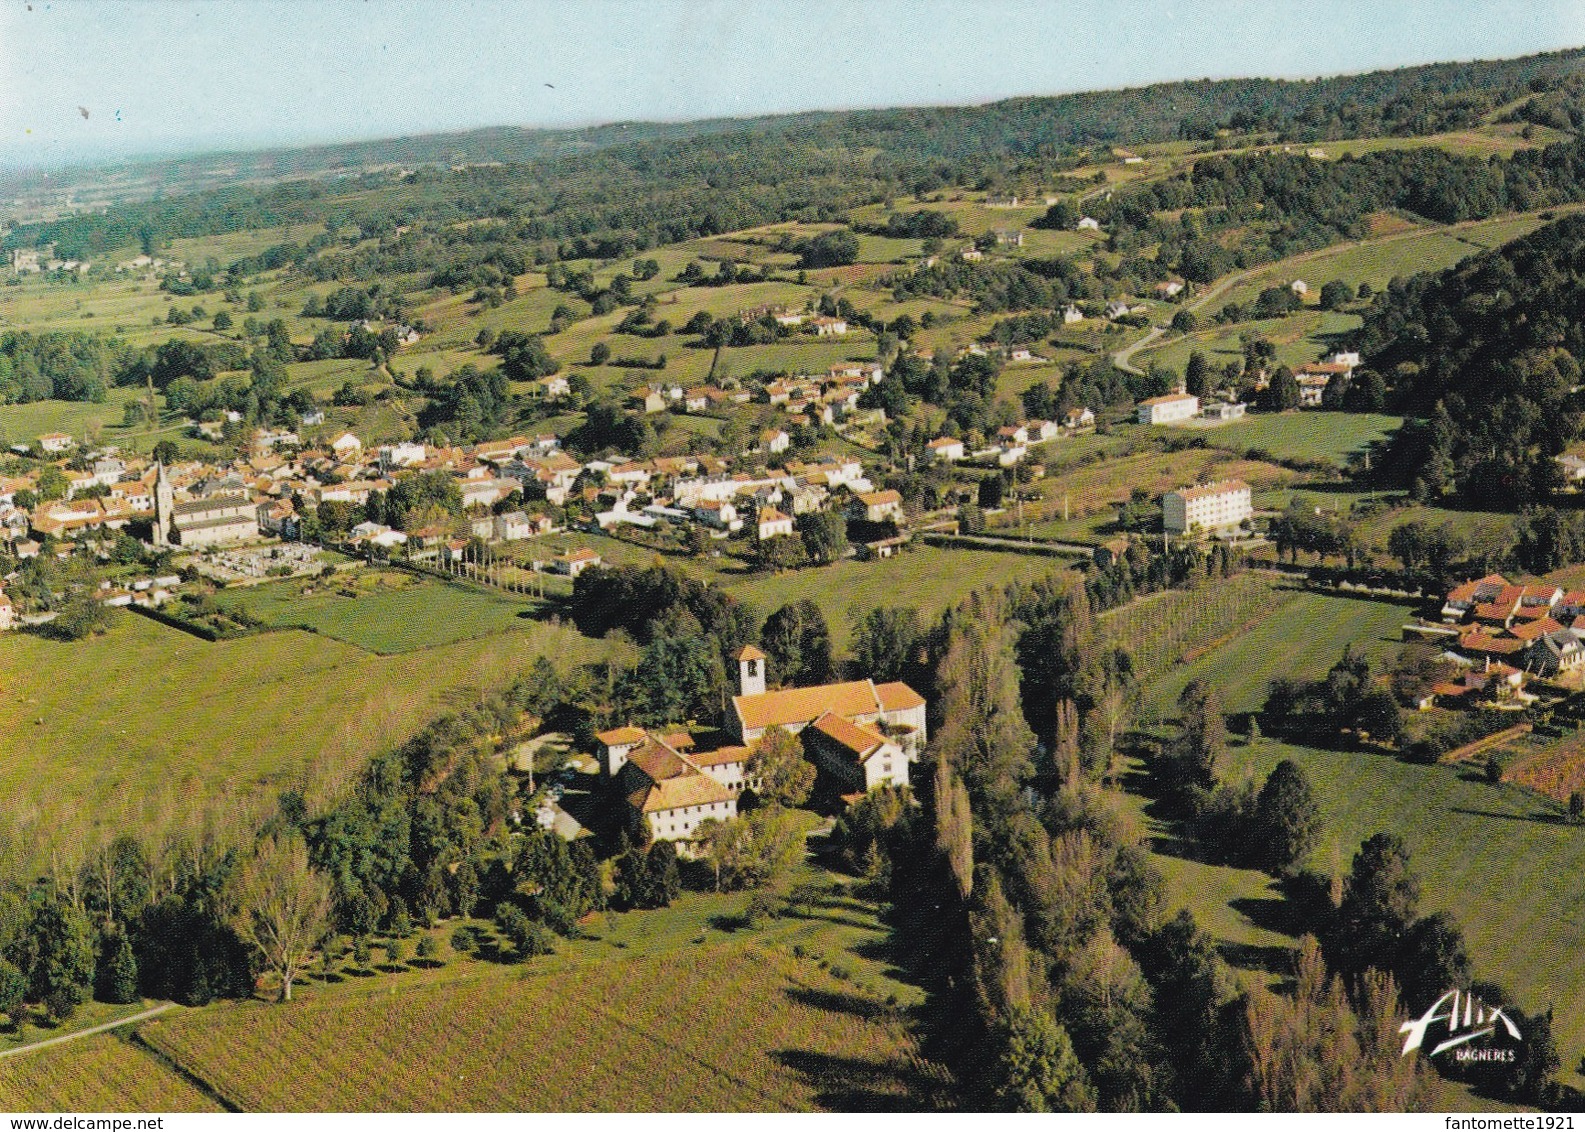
(164,506)
(750,671)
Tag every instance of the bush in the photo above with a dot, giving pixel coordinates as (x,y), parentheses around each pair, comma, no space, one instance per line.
(528,939)
(762,907)
(463,941)
(429,949)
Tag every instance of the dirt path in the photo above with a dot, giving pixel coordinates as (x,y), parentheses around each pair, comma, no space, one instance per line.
(75,1034)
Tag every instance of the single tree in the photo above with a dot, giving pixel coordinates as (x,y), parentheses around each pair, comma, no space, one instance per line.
(118,970)
(778,765)
(284,907)
(58,947)
(1380,898)
(1287,817)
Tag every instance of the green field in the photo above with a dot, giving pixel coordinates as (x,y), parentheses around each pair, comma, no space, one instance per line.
(1308,435)
(393,612)
(1497,857)
(927,578)
(101,1073)
(1300,338)
(150,730)
(1304,641)
(924,578)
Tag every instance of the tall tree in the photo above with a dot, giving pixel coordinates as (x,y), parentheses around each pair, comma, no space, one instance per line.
(1036,1068)
(984,736)
(798,642)
(284,907)
(1380,897)
(1287,817)
(58,949)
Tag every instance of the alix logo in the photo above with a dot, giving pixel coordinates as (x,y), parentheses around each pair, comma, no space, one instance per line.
(1476,1022)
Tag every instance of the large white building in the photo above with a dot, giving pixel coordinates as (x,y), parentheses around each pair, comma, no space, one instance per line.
(1212,508)
(1170,409)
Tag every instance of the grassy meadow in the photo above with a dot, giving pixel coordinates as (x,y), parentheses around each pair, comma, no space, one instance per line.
(153,730)
(387,613)
(1307,435)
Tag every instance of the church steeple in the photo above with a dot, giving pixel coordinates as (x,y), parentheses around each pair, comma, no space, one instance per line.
(164,506)
(751,670)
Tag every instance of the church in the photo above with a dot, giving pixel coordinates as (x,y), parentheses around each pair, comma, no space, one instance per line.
(861,735)
(213,520)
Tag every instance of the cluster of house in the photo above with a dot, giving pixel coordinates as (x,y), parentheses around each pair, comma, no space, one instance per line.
(832,398)
(1011,442)
(1314,377)
(860,735)
(1501,633)
(766,501)
(34,261)
(821,325)
(199,505)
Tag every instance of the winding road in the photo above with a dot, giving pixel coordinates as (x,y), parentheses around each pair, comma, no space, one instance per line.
(1124,359)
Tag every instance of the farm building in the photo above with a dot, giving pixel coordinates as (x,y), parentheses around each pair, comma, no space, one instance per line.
(1169,409)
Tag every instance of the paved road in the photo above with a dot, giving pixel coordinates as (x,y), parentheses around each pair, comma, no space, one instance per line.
(75,1034)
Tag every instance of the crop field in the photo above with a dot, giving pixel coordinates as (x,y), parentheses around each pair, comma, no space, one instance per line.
(392,612)
(1162,629)
(1556,769)
(1308,435)
(180,731)
(1305,640)
(100,1073)
(732,1029)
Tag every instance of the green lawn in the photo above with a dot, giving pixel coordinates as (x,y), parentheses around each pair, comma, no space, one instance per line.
(393,612)
(1495,856)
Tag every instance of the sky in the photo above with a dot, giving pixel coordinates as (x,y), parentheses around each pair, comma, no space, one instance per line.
(84,79)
